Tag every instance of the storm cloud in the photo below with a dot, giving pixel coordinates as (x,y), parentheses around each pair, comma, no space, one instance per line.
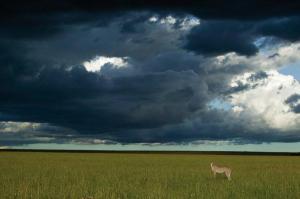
(155,71)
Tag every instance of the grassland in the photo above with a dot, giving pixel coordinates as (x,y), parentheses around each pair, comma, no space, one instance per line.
(105,175)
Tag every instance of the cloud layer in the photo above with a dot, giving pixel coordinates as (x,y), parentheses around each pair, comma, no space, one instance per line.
(151,73)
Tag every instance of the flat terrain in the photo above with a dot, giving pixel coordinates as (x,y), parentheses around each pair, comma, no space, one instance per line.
(113,175)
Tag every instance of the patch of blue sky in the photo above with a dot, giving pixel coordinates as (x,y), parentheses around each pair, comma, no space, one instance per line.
(220,104)
(292,69)
(260,42)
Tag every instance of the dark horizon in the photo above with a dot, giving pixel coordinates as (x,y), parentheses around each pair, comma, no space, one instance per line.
(261,153)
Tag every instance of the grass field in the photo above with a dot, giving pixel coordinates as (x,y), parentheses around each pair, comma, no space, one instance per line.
(105,175)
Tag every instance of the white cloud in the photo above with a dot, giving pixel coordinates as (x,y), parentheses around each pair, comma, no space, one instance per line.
(185,24)
(189,22)
(99,61)
(168,20)
(31,129)
(88,141)
(153,19)
(268,58)
(15,127)
(237,109)
(265,98)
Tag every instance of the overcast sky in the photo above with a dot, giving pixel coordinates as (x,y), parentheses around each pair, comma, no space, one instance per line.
(165,74)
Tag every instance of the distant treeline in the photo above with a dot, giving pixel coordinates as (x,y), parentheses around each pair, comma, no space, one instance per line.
(158,152)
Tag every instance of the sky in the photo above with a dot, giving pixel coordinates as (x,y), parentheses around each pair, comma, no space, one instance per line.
(151,75)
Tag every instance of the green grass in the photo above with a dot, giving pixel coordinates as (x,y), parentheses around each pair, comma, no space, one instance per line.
(100,175)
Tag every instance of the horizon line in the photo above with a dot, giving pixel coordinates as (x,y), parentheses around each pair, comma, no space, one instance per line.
(157,152)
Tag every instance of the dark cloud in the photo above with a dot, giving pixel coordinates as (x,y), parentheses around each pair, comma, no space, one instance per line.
(252,82)
(293,102)
(162,95)
(209,125)
(258,76)
(88,102)
(226,28)
(215,38)
(287,28)
(247,10)
(292,99)
(130,23)
(224,36)
(35,19)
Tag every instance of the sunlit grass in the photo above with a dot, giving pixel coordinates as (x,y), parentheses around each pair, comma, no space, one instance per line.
(98,175)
